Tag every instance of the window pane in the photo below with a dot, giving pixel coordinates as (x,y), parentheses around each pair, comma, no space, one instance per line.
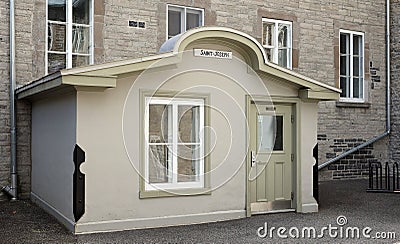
(78,60)
(57,10)
(267,126)
(56,37)
(344,43)
(159,164)
(283,35)
(193,19)
(188,163)
(159,123)
(268,34)
(174,23)
(344,87)
(80,12)
(343,65)
(283,57)
(189,124)
(80,39)
(356,66)
(268,52)
(56,62)
(356,88)
(356,44)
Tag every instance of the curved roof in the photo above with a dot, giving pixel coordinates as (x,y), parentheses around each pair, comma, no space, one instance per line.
(107,74)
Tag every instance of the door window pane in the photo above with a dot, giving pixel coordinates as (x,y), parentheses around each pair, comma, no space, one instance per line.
(278,146)
(269,130)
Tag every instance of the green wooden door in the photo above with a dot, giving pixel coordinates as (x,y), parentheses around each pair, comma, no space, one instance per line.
(270,158)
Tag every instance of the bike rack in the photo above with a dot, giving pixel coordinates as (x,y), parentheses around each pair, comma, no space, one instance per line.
(392,178)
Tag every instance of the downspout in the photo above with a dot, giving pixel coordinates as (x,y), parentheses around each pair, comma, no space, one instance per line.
(12,189)
(387,132)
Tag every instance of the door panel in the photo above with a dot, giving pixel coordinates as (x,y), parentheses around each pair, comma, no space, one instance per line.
(271,157)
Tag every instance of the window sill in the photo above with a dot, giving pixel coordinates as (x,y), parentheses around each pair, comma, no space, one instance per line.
(175,193)
(343,104)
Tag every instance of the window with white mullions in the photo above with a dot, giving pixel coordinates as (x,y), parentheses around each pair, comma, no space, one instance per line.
(69,34)
(174,143)
(181,19)
(277,41)
(352,66)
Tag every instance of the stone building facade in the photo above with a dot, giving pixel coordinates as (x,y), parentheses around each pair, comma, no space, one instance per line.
(316,27)
(395,86)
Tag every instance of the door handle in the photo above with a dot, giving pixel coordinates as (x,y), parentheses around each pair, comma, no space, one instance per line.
(253,158)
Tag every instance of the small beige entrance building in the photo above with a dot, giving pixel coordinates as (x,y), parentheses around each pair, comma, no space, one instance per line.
(206,131)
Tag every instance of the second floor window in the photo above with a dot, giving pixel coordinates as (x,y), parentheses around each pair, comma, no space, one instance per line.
(181,19)
(277,40)
(352,65)
(69,34)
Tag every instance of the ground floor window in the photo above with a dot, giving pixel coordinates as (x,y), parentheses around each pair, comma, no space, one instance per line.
(174,145)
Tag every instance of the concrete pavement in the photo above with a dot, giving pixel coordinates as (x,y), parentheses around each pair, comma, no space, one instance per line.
(23,222)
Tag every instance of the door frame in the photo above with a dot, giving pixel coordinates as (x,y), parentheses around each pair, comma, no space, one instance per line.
(296,179)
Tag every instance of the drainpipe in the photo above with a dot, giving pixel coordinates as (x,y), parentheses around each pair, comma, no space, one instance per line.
(387,132)
(12,189)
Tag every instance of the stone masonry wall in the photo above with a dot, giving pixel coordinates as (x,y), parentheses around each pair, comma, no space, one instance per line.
(316,26)
(395,81)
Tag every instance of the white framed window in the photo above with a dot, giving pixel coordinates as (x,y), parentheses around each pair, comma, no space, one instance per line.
(181,19)
(351,66)
(69,34)
(174,143)
(277,41)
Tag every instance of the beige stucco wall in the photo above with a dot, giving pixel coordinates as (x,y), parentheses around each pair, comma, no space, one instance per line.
(53,141)
(109,130)
(306,140)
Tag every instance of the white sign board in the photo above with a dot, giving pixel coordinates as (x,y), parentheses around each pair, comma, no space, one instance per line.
(207,53)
